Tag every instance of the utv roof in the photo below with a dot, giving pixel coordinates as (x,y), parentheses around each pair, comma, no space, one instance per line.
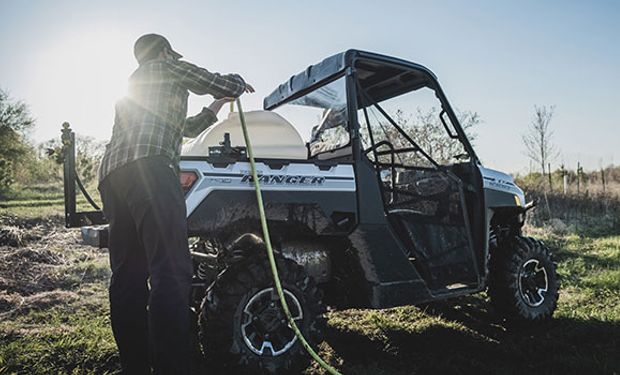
(381,76)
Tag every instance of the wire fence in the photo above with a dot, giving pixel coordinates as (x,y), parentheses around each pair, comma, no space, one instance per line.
(576,198)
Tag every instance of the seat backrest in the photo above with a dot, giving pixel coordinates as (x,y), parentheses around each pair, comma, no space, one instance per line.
(271,135)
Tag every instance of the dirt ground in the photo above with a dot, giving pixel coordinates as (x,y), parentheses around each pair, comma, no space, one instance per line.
(39,260)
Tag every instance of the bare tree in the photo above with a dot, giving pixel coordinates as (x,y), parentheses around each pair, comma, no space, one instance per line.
(426,129)
(538,139)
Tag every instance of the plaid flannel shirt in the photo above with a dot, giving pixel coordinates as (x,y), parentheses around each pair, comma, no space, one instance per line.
(151,119)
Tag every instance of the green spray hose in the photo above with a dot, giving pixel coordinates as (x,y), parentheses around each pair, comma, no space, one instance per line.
(272,260)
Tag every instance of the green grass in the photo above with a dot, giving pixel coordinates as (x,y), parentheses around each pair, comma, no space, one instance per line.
(463,335)
(40,210)
(35,192)
(70,333)
(72,338)
(42,200)
(32,203)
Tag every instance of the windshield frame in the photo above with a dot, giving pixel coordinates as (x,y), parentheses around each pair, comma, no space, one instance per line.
(347,76)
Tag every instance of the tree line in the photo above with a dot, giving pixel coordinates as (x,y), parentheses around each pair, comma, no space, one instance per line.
(24,162)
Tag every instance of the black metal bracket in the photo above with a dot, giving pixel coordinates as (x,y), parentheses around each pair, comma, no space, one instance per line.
(226,153)
(73,218)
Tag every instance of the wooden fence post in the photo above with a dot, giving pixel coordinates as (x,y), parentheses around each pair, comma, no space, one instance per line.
(564,175)
(550,177)
(578,177)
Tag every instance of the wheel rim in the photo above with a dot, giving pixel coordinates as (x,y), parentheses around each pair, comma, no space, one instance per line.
(533,283)
(264,327)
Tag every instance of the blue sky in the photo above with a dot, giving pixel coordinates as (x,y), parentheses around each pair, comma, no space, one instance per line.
(69,60)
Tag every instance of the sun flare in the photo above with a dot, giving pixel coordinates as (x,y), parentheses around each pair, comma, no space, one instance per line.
(85,74)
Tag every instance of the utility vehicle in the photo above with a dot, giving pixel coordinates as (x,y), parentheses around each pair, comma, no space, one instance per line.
(385,205)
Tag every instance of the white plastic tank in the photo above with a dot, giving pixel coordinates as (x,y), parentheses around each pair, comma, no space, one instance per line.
(272,136)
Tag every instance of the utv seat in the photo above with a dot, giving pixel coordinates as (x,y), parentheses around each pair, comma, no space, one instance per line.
(272,136)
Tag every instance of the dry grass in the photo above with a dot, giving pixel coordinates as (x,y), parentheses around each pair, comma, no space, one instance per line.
(592,213)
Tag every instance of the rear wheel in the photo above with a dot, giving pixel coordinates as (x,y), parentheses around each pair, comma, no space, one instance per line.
(523,283)
(243,323)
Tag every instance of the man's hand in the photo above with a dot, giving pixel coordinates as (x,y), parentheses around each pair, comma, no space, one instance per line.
(224,100)
(248,89)
(217,104)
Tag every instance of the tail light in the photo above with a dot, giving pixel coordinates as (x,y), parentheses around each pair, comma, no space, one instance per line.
(188,179)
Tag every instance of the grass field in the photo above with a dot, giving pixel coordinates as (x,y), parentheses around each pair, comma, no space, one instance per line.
(54,313)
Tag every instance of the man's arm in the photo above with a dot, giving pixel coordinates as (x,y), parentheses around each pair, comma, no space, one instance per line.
(195,125)
(201,81)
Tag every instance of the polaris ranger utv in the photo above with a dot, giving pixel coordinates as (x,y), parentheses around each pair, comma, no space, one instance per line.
(372,212)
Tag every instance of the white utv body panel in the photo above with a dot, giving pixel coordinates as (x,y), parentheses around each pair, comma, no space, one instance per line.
(499,181)
(291,177)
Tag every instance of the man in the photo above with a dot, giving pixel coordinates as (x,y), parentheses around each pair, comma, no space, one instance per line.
(143,201)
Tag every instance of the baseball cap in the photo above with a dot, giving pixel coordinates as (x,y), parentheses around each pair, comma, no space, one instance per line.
(149,45)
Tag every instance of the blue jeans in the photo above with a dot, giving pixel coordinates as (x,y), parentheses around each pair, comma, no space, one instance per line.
(151,266)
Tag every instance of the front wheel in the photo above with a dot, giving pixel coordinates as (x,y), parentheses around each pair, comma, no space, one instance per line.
(242,321)
(523,283)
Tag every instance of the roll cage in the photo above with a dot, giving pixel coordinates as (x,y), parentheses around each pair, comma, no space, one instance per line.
(371,79)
